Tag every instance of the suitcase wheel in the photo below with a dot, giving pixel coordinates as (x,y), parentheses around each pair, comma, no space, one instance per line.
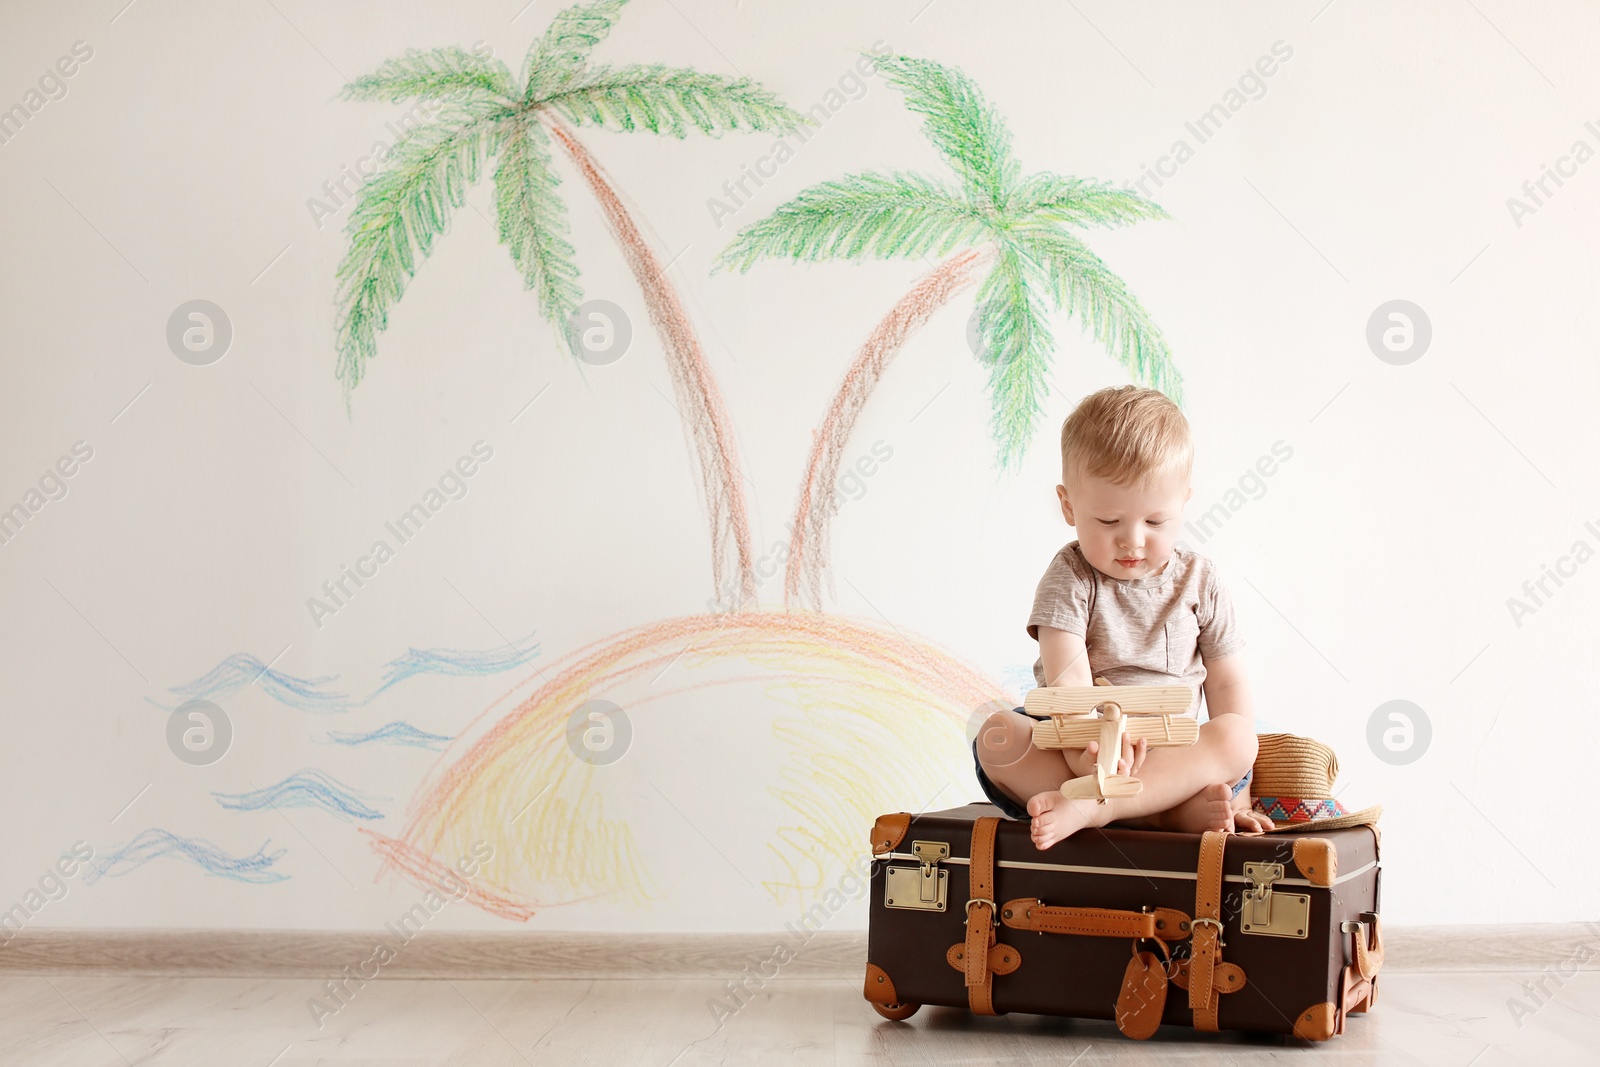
(895,1011)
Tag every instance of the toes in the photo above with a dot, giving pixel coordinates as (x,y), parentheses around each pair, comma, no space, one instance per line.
(1219,813)
(1045,827)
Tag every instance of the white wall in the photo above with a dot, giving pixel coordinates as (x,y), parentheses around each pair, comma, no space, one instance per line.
(1375,565)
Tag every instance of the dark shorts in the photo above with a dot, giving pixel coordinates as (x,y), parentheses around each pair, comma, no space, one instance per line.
(1014,810)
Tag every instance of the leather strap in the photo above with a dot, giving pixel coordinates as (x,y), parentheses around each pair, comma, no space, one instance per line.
(1003,959)
(981,919)
(1228,977)
(1029,913)
(1369,958)
(1207,951)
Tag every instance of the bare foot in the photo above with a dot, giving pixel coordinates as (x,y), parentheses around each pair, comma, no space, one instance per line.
(1055,817)
(1209,809)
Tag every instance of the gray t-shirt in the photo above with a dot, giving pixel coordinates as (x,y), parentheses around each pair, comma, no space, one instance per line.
(1158,630)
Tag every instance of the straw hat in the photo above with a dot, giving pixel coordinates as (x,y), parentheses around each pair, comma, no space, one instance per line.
(1292,784)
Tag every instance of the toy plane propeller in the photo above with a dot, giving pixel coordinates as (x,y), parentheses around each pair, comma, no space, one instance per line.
(1150,713)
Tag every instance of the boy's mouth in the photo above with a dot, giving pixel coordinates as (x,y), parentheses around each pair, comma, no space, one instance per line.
(1130,562)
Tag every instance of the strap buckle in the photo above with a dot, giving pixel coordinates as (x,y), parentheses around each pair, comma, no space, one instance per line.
(1201,921)
(994,909)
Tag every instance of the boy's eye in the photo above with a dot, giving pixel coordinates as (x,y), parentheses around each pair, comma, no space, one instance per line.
(1163,522)
(1108,522)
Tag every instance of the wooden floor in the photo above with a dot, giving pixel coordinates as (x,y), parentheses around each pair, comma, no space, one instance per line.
(1453,1019)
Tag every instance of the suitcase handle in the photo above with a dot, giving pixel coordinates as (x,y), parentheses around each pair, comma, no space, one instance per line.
(1031,913)
(1369,956)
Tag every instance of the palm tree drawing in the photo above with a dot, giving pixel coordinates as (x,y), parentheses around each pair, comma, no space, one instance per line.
(1016,229)
(484,115)
(857,689)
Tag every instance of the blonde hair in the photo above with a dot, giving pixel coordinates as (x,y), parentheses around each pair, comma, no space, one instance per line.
(1127,433)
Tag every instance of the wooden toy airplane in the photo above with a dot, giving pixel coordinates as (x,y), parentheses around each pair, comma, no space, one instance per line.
(1151,713)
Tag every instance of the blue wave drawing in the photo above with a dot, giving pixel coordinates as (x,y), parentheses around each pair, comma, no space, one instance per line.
(394,733)
(156,842)
(457,662)
(241,670)
(304,789)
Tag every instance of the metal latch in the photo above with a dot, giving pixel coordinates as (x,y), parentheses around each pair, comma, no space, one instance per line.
(1277,914)
(920,888)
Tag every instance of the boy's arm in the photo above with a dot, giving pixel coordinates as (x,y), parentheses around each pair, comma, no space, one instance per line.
(1065,657)
(1226,688)
(1066,663)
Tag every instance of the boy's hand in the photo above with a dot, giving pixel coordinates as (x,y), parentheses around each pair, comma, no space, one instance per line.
(1081,761)
(1251,822)
(1246,820)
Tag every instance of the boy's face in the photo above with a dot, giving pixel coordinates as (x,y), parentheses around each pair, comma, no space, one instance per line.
(1126,531)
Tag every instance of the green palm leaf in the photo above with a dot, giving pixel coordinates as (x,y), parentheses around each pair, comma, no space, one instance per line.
(670,100)
(435,74)
(561,53)
(402,208)
(1016,341)
(960,122)
(1049,198)
(896,214)
(533,222)
(1084,286)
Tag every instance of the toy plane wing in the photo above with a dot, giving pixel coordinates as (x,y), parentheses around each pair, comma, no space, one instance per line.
(1132,699)
(1152,729)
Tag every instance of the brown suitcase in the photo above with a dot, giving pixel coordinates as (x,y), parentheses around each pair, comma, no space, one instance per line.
(1288,939)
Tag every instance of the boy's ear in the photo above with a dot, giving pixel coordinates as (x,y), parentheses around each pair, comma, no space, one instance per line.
(1066,506)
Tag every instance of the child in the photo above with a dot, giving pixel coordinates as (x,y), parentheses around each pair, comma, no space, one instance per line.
(1125,604)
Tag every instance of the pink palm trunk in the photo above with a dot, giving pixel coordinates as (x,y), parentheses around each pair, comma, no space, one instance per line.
(808,546)
(699,400)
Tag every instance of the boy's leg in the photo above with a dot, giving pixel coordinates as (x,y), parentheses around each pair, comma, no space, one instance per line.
(1209,809)
(1171,777)
(1009,758)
